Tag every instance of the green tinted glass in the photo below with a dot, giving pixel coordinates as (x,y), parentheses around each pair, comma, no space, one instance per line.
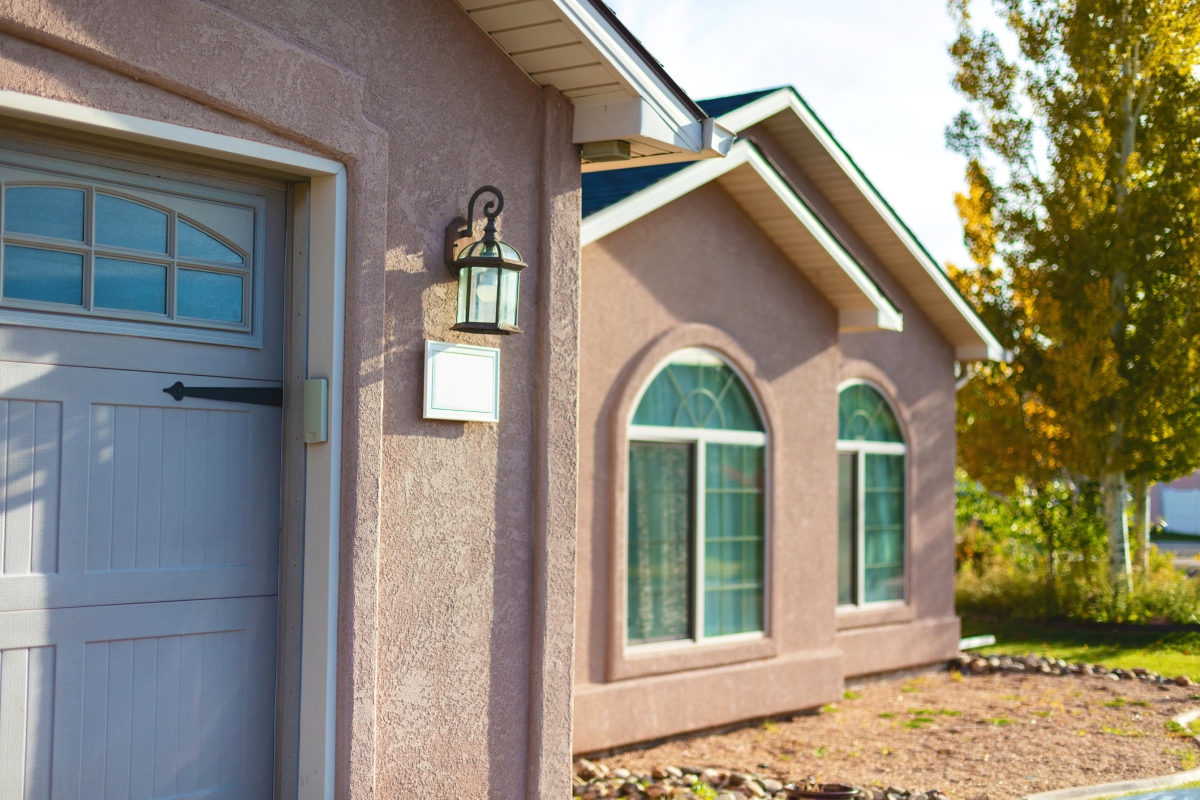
(698,392)
(883,527)
(660,537)
(847,527)
(733,539)
(863,415)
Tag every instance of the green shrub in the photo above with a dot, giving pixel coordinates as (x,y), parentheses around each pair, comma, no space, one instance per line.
(1041,554)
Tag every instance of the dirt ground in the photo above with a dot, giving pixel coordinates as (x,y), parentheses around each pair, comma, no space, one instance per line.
(1004,736)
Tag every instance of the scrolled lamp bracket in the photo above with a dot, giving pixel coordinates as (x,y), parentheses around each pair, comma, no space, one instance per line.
(460,228)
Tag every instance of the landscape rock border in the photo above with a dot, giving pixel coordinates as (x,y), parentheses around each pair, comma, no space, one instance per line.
(969,664)
(595,781)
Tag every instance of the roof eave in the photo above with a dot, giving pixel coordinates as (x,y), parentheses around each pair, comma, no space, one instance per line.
(872,311)
(638,102)
(985,346)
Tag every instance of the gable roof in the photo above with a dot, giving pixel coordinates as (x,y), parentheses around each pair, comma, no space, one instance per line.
(619,90)
(749,177)
(845,187)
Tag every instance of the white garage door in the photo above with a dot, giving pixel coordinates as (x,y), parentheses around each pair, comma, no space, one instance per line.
(138,533)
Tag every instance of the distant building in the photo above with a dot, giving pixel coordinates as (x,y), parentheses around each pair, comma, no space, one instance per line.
(1176,505)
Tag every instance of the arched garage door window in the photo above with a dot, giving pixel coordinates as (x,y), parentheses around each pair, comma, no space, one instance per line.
(871,471)
(697,515)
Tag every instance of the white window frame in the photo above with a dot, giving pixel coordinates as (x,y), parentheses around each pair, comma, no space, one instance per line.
(325,323)
(860,449)
(699,438)
(93,180)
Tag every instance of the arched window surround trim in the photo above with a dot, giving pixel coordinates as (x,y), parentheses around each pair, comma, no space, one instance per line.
(711,434)
(629,661)
(883,448)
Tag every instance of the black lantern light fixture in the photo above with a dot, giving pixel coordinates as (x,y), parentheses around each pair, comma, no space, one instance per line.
(488,271)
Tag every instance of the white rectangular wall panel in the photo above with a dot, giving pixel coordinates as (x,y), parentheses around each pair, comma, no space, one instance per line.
(462,382)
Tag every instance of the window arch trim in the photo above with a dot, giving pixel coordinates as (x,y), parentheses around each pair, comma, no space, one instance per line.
(729,435)
(624,662)
(896,448)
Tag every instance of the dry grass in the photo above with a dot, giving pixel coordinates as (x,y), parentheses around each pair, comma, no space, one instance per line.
(1000,735)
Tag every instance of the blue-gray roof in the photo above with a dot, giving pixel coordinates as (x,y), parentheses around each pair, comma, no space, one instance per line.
(717,106)
(603,189)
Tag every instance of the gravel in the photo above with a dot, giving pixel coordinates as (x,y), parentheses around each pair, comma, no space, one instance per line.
(1002,733)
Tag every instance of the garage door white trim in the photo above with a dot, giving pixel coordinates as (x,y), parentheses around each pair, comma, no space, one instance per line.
(327,264)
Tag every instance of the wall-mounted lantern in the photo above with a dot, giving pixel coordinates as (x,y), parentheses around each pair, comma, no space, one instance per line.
(488,271)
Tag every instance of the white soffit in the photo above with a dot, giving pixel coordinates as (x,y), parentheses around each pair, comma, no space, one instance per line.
(859,203)
(618,89)
(770,201)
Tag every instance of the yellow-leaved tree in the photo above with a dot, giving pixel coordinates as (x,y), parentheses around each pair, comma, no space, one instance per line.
(1082,215)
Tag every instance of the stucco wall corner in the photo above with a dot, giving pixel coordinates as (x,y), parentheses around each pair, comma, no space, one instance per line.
(557,454)
(362,455)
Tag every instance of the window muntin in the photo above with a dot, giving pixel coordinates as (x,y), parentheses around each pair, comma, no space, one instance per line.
(97,250)
(864,415)
(871,498)
(697,505)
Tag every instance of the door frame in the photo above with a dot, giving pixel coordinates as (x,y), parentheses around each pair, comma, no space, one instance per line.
(325,326)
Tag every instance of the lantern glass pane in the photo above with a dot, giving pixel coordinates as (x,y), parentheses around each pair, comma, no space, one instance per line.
(510,287)
(484,290)
(464,276)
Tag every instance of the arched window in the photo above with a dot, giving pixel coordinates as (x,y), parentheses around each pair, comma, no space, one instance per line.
(871,473)
(697,504)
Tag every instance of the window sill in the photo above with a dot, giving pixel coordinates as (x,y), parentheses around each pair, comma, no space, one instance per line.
(658,659)
(891,613)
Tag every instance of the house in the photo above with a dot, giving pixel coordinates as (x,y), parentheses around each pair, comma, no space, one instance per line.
(1176,505)
(240,555)
(766,434)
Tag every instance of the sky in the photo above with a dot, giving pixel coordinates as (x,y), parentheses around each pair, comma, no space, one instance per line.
(875,71)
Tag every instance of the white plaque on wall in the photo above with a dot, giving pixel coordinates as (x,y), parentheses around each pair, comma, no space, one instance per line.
(462,382)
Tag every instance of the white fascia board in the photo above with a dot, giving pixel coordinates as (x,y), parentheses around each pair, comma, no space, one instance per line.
(685,131)
(636,119)
(988,348)
(888,316)
(164,134)
(884,315)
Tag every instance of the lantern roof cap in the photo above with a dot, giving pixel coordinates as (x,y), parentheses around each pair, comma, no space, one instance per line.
(494,249)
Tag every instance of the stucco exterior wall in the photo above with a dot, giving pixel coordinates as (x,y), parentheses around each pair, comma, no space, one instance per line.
(457,540)
(699,272)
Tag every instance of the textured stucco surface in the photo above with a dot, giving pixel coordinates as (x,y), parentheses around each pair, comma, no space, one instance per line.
(457,539)
(701,260)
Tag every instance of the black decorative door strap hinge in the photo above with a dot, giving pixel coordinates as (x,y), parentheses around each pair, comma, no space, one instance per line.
(230,394)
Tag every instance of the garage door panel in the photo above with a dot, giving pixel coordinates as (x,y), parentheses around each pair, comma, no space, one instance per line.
(148,701)
(168,488)
(139,535)
(103,472)
(26,714)
(25,592)
(30,454)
